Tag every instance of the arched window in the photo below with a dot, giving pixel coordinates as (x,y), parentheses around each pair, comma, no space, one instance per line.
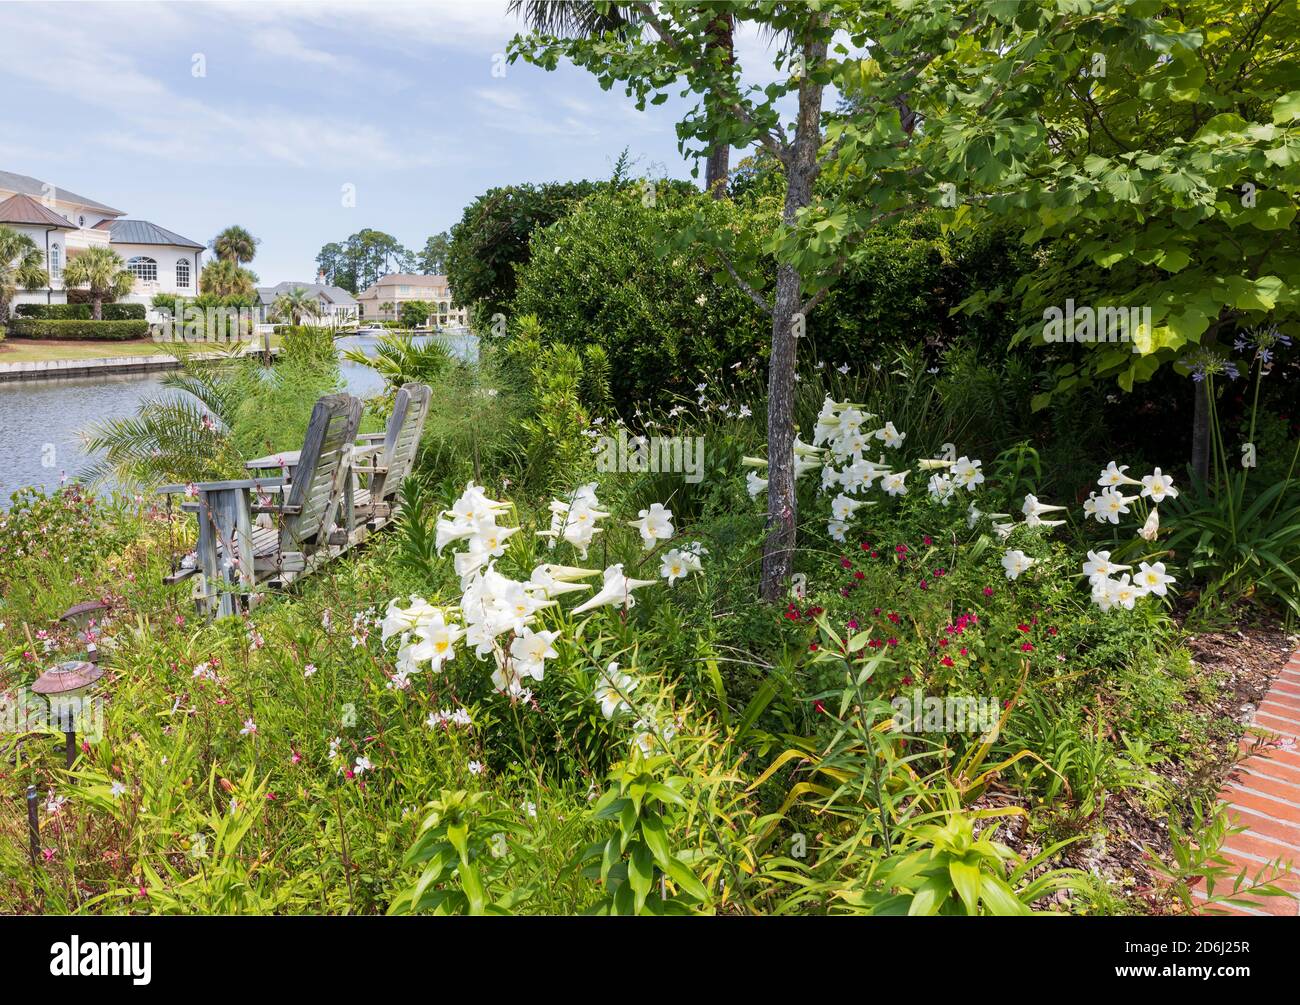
(56,264)
(81,221)
(183,274)
(142,268)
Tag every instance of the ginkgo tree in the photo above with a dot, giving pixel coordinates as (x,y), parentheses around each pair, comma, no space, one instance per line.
(946,102)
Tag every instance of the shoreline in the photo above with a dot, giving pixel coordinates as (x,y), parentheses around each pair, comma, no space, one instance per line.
(55,368)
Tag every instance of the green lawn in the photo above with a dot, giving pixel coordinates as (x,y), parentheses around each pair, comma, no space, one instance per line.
(28,350)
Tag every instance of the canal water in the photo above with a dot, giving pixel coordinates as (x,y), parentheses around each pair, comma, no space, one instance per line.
(41,420)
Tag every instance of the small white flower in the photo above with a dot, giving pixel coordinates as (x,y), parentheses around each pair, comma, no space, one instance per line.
(117,789)
(309,669)
(475,767)
(250,728)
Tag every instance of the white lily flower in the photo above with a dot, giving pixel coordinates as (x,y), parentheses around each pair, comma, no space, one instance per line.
(611,686)
(529,651)
(1113,477)
(941,489)
(892,437)
(1158,487)
(1153,579)
(1034,510)
(894,483)
(837,529)
(754,485)
(933,463)
(1110,504)
(678,563)
(843,507)
(1121,592)
(436,642)
(967,474)
(1099,566)
(402,619)
(616,591)
(656,524)
(753,462)
(544,582)
(1015,563)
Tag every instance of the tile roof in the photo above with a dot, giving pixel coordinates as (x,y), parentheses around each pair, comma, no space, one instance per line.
(144,232)
(23,209)
(27,185)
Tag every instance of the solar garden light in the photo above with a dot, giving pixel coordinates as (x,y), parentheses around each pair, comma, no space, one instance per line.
(68,687)
(81,616)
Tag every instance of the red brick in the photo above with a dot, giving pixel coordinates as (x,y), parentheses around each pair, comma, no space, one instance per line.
(1278,788)
(1262,848)
(1283,832)
(1281,699)
(1279,711)
(1286,813)
(1275,725)
(1288,881)
(1278,755)
(1271,769)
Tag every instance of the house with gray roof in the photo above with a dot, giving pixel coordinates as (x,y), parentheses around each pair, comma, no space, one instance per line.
(63,224)
(336,306)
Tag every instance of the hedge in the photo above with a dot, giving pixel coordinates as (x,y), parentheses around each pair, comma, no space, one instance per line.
(111,331)
(80,312)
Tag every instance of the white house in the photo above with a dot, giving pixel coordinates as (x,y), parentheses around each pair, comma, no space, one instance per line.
(337,307)
(63,224)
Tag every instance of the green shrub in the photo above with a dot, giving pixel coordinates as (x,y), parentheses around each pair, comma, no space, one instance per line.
(594,278)
(106,331)
(55,312)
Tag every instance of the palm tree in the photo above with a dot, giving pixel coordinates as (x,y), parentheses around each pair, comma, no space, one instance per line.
(101,269)
(582,19)
(295,305)
(21,265)
(226,279)
(235,244)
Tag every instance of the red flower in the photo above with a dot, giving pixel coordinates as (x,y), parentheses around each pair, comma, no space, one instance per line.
(927,541)
(907,680)
(891,642)
(988,591)
(859,575)
(947,661)
(943,642)
(812,647)
(845,563)
(1023,628)
(1027,647)
(819,707)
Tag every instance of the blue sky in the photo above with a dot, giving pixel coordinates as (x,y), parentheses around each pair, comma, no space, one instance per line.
(296,101)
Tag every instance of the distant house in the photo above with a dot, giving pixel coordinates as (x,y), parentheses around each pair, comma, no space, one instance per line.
(336,306)
(382,300)
(63,224)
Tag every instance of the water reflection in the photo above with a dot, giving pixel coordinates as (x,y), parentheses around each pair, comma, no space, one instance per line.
(40,420)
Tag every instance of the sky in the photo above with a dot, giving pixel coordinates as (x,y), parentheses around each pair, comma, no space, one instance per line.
(197,115)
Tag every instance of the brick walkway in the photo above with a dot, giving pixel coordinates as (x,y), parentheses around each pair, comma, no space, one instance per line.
(1263,794)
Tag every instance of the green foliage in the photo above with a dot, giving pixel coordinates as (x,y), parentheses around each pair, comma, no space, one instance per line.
(80,312)
(108,331)
(491,240)
(594,277)
(415,313)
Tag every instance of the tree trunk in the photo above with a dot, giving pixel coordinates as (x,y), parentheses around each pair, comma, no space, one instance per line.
(1201,432)
(97,308)
(717,166)
(782,507)
(716,169)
